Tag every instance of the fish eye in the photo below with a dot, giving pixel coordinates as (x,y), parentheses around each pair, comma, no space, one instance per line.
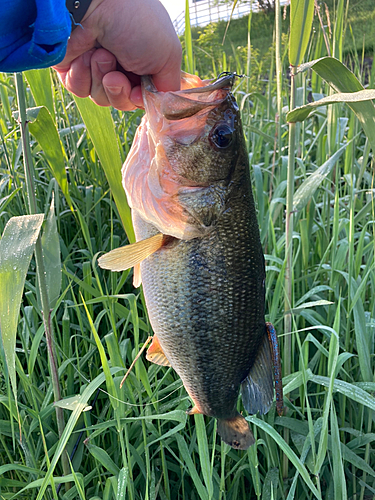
(222,136)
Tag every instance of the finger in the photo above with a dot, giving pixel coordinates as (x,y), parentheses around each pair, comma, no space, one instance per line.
(80,41)
(169,77)
(118,89)
(77,78)
(136,96)
(102,62)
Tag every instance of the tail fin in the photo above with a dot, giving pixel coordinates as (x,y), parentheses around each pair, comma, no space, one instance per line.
(235,432)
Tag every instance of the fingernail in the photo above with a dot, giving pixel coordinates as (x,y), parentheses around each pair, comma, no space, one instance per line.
(105,66)
(114,90)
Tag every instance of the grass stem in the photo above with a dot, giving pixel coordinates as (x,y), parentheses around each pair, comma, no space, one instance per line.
(288,279)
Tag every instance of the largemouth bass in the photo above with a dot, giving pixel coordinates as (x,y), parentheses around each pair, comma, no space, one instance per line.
(198,251)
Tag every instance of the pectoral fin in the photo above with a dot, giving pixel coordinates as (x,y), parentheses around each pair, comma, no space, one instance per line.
(155,353)
(257,388)
(128,256)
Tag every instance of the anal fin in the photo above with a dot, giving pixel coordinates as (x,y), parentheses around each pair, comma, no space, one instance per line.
(128,256)
(155,353)
(257,388)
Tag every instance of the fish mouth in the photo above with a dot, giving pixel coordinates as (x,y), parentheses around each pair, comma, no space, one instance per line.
(195,95)
(224,80)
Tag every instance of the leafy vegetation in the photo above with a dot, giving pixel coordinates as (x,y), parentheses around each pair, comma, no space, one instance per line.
(136,441)
(358,42)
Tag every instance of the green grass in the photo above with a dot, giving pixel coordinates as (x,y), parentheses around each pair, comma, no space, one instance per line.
(358,43)
(137,442)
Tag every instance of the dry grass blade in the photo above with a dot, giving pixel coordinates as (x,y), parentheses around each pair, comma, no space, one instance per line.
(135,360)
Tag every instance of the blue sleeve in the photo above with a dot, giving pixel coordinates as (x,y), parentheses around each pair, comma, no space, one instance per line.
(33,33)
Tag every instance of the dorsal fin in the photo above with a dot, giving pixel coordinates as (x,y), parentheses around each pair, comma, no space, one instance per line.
(128,256)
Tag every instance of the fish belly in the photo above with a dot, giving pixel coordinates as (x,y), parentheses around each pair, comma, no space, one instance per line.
(205,299)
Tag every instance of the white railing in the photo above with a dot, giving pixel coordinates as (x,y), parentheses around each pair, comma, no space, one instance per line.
(203,12)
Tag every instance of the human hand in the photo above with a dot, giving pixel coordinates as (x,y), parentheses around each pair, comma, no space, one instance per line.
(120,41)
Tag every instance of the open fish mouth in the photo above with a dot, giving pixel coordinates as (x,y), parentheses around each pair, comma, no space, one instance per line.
(195,95)
(191,84)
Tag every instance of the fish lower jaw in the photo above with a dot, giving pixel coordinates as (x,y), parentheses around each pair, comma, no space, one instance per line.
(236,432)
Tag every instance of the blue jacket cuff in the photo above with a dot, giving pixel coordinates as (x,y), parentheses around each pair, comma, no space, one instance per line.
(36,40)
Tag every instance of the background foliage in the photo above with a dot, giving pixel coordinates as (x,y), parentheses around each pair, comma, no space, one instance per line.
(137,442)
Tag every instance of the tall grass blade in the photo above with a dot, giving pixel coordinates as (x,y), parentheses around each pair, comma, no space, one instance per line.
(189,58)
(40,482)
(332,361)
(40,83)
(230,18)
(287,450)
(18,467)
(307,189)
(338,31)
(338,465)
(103,458)
(341,79)
(4,99)
(301,18)
(16,248)
(79,483)
(103,358)
(352,391)
(302,112)
(200,428)
(51,256)
(100,126)
(363,340)
(185,454)
(69,428)
(122,483)
(279,71)
(40,271)
(43,128)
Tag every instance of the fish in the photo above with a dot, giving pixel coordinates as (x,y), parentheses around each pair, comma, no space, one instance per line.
(198,253)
